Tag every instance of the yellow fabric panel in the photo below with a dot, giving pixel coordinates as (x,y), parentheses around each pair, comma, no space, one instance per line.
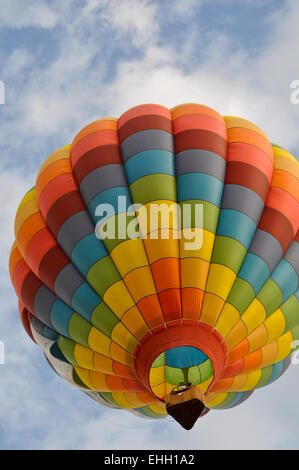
(287,165)
(121,355)
(168,388)
(160,409)
(121,399)
(220,280)
(129,255)
(27,198)
(205,252)
(160,390)
(139,283)
(121,335)
(118,298)
(24,213)
(236,335)
(211,308)
(84,356)
(205,385)
(60,154)
(135,322)
(147,222)
(238,383)
(83,374)
(156,376)
(257,338)
(213,399)
(98,381)
(232,121)
(254,315)
(253,378)
(133,399)
(227,319)
(99,342)
(275,325)
(194,272)
(164,246)
(269,353)
(280,152)
(284,346)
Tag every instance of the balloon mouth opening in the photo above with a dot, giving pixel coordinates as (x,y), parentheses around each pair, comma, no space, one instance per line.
(182,346)
(179,368)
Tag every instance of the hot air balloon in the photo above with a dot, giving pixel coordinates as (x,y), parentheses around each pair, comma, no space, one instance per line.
(190,313)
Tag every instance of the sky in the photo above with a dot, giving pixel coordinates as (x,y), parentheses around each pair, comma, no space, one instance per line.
(65,64)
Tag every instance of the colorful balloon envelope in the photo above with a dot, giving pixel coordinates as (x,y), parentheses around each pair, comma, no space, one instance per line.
(160,250)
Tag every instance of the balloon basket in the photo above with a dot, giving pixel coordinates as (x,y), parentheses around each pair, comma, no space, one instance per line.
(185,405)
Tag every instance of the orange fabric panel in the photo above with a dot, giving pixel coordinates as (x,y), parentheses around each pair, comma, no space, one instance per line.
(248,136)
(166,273)
(60,167)
(123,371)
(252,361)
(90,141)
(283,180)
(98,125)
(223,384)
(38,246)
(30,227)
(199,121)
(194,108)
(238,351)
(191,302)
(283,202)
(151,311)
(14,259)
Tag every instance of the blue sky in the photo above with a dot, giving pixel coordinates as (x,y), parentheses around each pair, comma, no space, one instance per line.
(67,63)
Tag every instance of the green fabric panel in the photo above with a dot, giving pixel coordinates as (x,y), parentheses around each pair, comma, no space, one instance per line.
(228,252)
(104,319)
(154,187)
(206,370)
(194,375)
(121,234)
(271,296)
(173,375)
(102,275)
(159,361)
(79,329)
(108,397)
(266,373)
(210,214)
(67,347)
(290,309)
(295,333)
(226,401)
(241,295)
(149,412)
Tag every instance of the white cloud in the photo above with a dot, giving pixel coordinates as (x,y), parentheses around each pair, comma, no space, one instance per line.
(105,63)
(26,13)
